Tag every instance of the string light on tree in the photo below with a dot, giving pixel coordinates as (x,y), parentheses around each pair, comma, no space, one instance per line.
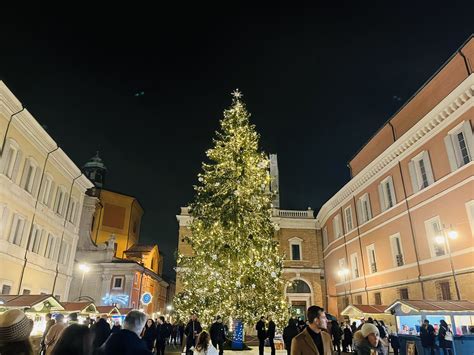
(232,234)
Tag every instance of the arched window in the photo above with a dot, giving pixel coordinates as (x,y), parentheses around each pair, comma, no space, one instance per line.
(298,286)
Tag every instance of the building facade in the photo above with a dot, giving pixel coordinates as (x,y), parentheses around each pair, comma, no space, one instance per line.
(112,267)
(403,226)
(41,197)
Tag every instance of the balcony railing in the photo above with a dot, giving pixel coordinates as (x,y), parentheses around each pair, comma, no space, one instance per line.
(293,214)
(400,260)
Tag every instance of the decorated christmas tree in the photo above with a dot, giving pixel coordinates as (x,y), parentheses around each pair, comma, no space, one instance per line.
(236,267)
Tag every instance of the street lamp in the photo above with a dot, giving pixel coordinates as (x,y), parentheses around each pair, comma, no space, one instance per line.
(443,239)
(169,307)
(84,268)
(343,275)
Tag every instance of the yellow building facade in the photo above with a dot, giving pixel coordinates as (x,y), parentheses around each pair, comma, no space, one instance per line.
(41,194)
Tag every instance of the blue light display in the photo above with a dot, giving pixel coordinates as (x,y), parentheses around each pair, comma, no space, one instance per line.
(238,338)
(114,299)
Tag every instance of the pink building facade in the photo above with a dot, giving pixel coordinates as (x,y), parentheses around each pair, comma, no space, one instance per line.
(403,226)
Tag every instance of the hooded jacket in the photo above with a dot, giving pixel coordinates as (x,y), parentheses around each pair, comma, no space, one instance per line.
(363,347)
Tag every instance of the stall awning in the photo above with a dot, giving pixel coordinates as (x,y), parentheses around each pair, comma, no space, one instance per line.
(433,306)
(356,309)
(124,311)
(79,307)
(37,303)
(109,310)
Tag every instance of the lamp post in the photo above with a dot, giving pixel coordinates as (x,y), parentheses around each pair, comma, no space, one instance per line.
(443,238)
(343,275)
(84,268)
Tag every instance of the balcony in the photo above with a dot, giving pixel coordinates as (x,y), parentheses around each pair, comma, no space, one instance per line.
(399,259)
(309,214)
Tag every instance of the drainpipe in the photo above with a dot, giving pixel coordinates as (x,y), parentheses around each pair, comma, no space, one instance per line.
(64,227)
(8,129)
(360,246)
(25,256)
(410,220)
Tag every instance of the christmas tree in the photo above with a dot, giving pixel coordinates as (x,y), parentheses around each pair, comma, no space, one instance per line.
(236,267)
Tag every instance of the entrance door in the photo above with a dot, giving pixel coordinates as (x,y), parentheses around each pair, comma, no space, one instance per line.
(298,308)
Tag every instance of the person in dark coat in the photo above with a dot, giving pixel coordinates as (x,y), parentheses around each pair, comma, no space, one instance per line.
(116,328)
(394,342)
(347,342)
(271,334)
(217,333)
(445,338)
(261,334)
(290,331)
(162,333)
(127,341)
(354,327)
(149,334)
(336,332)
(181,332)
(101,331)
(174,334)
(192,330)
(427,336)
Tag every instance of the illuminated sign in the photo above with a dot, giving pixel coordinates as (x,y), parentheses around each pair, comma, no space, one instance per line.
(146,298)
(114,299)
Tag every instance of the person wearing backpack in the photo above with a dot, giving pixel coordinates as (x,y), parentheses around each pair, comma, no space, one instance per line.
(445,337)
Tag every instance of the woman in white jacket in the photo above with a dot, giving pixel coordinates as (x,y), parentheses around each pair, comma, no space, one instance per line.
(204,345)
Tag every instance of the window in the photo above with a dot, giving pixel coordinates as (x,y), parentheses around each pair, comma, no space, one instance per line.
(470,214)
(377,298)
(359,299)
(26,291)
(435,237)
(325,237)
(60,201)
(459,145)
(13,156)
(345,301)
(64,253)
(298,286)
(337,226)
(18,225)
(295,248)
(6,289)
(35,239)
(397,253)
(49,251)
(420,171)
(117,282)
(387,194)
(72,211)
(371,258)
(354,266)
(295,252)
(342,269)
(348,219)
(29,178)
(403,293)
(443,291)
(363,208)
(48,187)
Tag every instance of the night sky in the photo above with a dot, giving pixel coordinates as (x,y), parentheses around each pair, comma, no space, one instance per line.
(319,81)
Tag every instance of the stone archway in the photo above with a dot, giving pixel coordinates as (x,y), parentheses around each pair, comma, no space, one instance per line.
(299,294)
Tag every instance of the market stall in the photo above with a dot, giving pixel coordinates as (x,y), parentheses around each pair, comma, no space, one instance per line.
(84,310)
(113,314)
(356,312)
(410,314)
(35,307)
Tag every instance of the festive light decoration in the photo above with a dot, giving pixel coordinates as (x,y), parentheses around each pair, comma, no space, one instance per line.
(113,299)
(236,268)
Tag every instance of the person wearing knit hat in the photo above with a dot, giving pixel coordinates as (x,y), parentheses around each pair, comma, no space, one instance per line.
(15,329)
(367,340)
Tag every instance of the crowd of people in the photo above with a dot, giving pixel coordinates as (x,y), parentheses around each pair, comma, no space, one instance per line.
(140,335)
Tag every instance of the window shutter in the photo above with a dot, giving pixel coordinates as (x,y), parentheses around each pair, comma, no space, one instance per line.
(392,190)
(36,182)
(17,165)
(429,171)
(369,207)
(381,197)
(359,212)
(467,130)
(56,201)
(51,193)
(25,174)
(450,150)
(66,204)
(414,182)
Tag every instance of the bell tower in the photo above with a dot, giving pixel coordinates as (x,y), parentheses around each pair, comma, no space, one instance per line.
(95,170)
